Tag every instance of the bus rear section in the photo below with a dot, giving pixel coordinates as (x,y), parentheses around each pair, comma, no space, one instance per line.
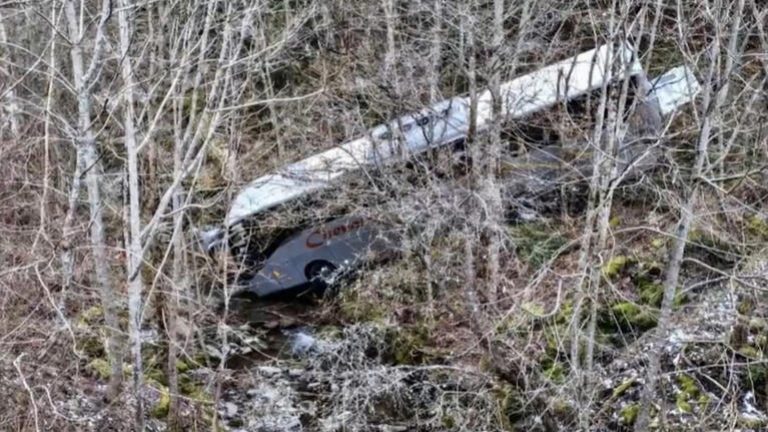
(316,257)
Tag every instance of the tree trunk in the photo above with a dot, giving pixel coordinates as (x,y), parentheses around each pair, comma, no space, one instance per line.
(10,117)
(88,161)
(135,252)
(677,251)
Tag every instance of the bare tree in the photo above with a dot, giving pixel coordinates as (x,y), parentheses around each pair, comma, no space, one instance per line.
(10,114)
(83,76)
(712,100)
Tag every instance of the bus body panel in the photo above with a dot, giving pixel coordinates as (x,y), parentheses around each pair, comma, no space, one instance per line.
(345,243)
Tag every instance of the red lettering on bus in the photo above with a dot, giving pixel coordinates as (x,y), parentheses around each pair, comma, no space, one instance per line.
(319,236)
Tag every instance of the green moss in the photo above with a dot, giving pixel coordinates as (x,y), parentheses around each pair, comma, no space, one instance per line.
(160,409)
(623,387)
(510,407)
(156,374)
(746,306)
(536,244)
(688,385)
(682,404)
(757,226)
(329,332)
(703,400)
(631,315)
(357,308)
(696,235)
(757,324)
(658,243)
(628,413)
(90,315)
(761,341)
(194,390)
(100,367)
(689,392)
(534,309)
(181,366)
(554,371)
(651,293)
(615,222)
(561,408)
(680,299)
(751,422)
(749,352)
(553,337)
(757,375)
(565,314)
(405,344)
(615,265)
(92,346)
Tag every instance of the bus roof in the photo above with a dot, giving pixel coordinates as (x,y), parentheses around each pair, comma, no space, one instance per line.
(435,126)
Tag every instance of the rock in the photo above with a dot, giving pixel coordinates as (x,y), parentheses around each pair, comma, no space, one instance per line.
(230,410)
(270,371)
(302,343)
(757,324)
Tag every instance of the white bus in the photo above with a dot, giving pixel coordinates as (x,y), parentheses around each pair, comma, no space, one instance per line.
(316,256)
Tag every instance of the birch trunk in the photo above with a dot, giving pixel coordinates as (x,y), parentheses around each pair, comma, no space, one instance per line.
(491,157)
(677,251)
(587,246)
(435,52)
(389,59)
(88,161)
(135,254)
(11,108)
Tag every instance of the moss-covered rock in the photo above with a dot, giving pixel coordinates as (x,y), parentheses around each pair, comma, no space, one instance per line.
(194,390)
(651,293)
(622,388)
(688,394)
(630,316)
(751,422)
(182,366)
(757,324)
(658,243)
(750,352)
(163,404)
(628,414)
(615,265)
(100,367)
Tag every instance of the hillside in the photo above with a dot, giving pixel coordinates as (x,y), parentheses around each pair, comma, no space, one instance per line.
(599,264)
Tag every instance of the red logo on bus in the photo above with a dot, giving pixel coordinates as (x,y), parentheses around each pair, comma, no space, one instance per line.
(319,236)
